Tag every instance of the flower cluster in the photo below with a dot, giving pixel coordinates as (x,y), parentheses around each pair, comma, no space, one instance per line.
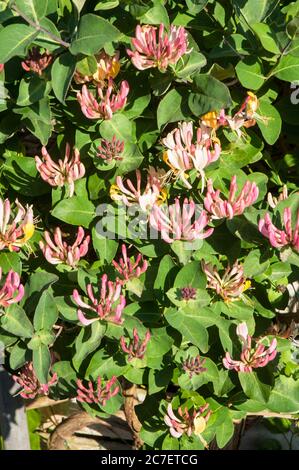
(15,230)
(36,61)
(99,394)
(107,67)
(31,387)
(230,285)
(63,172)
(250,358)
(188,423)
(128,269)
(280,238)
(108,307)
(57,251)
(154,47)
(194,366)
(12,290)
(135,348)
(111,150)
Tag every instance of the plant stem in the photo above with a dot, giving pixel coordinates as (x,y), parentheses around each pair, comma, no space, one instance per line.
(40,28)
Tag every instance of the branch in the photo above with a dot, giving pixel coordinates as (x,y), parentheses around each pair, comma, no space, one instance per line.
(38,27)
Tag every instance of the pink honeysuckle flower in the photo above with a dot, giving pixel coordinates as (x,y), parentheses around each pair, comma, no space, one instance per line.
(273,201)
(234,205)
(129,194)
(15,230)
(194,366)
(31,387)
(188,293)
(108,307)
(182,154)
(109,102)
(107,67)
(251,358)
(280,238)
(135,348)
(110,150)
(98,394)
(58,251)
(154,47)
(36,61)
(12,291)
(230,285)
(63,172)
(175,222)
(188,423)
(127,268)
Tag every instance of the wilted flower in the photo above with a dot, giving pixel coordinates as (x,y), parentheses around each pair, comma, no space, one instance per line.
(273,201)
(15,231)
(12,290)
(108,307)
(128,269)
(99,394)
(280,238)
(36,61)
(233,206)
(109,102)
(127,193)
(63,172)
(135,348)
(183,155)
(107,67)
(188,423)
(194,366)
(175,223)
(58,251)
(230,285)
(111,149)
(31,387)
(156,48)
(251,358)
(188,293)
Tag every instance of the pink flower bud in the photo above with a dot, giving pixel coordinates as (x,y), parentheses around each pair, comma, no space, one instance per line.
(280,238)
(99,394)
(31,387)
(36,61)
(128,269)
(12,290)
(135,348)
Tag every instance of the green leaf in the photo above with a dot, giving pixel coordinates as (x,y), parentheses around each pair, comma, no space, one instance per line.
(250,73)
(239,154)
(38,119)
(284,397)
(287,68)
(209,94)
(15,321)
(23,177)
(14,40)
(267,37)
(254,11)
(155,15)
(190,275)
(105,365)
(119,125)
(32,89)
(33,9)
(195,6)
(190,326)
(224,428)
(189,64)
(75,211)
(173,107)
(10,261)
(93,33)
(17,357)
(62,73)
(46,312)
(270,124)
(87,341)
(41,363)
(253,387)
(104,247)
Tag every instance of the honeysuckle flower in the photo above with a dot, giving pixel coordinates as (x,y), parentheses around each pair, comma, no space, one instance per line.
(194,366)
(176,222)
(127,268)
(107,67)
(135,348)
(234,205)
(189,422)
(12,291)
(108,306)
(98,394)
(1,67)
(63,172)
(154,47)
(182,154)
(31,387)
(36,61)
(230,285)
(109,102)
(129,194)
(251,358)
(273,201)
(15,230)
(188,293)
(111,149)
(280,238)
(57,251)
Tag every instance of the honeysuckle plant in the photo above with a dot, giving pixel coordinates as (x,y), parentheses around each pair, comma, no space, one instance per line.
(149,210)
